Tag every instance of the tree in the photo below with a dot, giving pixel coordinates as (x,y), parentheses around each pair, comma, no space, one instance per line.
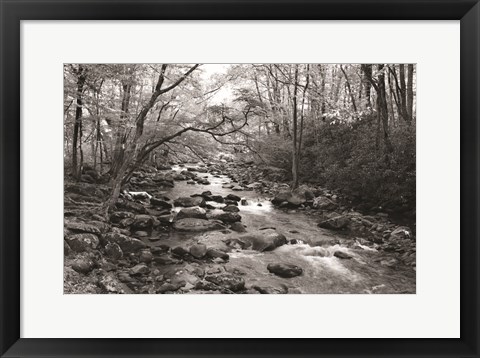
(81,74)
(409,105)
(382,105)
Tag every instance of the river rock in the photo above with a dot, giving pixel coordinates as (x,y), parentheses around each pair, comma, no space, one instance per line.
(132,206)
(110,284)
(230,202)
(231,208)
(192,212)
(198,250)
(180,251)
(113,251)
(233,197)
(288,197)
(82,242)
(335,223)
(127,244)
(269,290)
(214,253)
(285,270)
(238,227)
(264,240)
(142,222)
(145,256)
(140,269)
(126,222)
(171,287)
(324,203)
(165,260)
(197,225)
(160,203)
(342,255)
(226,217)
(83,265)
(78,226)
(304,192)
(255,185)
(217,198)
(237,188)
(118,216)
(190,201)
(400,233)
(228,281)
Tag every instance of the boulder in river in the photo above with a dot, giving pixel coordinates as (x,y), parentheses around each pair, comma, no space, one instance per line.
(336,223)
(288,197)
(233,197)
(226,217)
(197,225)
(217,198)
(231,208)
(342,255)
(214,253)
(142,222)
(285,270)
(190,201)
(160,203)
(264,240)
(192,212)
(237,226)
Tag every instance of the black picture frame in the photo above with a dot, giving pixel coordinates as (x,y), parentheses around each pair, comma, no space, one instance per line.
(13,12)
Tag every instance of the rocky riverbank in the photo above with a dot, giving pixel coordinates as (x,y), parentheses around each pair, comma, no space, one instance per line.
(204,229)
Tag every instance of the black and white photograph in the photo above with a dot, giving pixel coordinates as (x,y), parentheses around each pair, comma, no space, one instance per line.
(241,178)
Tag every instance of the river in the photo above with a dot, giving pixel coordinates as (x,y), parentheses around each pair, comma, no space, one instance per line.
(367,271)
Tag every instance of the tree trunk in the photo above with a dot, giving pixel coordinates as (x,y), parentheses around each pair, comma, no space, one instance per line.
(410,91)
(77,129)
(294,134)
(367,70)
(352,97)
(382,108)
(121,135)
(403,94)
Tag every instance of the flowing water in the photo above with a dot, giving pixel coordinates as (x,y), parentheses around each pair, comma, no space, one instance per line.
(368,271)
